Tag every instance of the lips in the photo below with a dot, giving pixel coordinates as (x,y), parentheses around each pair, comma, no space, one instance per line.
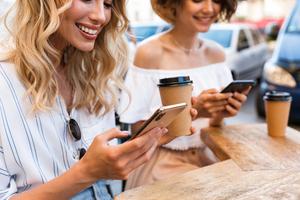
(87,30)
(205,19)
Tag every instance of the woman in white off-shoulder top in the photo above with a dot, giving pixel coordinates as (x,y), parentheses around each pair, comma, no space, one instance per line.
(180,52)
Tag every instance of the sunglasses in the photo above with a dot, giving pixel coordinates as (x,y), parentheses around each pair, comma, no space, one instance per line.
(75,131)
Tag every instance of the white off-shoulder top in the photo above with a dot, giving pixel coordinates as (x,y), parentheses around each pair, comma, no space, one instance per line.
(145,98)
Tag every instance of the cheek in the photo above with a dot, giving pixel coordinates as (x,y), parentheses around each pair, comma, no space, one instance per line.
(217,8)
(108,16)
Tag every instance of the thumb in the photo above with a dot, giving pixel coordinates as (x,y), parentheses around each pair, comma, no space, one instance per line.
(114,133)
(210,91)
(194,100)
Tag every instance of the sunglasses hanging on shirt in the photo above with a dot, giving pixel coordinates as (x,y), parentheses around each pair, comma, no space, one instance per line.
(75,131)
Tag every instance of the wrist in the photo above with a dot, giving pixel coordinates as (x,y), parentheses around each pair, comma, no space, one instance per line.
(82,173)
(216,121)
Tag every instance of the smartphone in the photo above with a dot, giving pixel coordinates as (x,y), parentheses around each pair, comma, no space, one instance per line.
(238,86)
(162,117)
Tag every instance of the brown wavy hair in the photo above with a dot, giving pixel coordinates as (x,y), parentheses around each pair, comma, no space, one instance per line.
(166,9)
(96,76)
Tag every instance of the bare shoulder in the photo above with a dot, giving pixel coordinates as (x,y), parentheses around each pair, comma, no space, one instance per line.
(148,53)
(214,51)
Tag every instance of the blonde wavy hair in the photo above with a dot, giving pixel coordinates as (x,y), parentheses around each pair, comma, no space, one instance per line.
(96,76)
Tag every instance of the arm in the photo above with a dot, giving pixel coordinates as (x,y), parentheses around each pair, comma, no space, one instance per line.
(62,187)
(101,161)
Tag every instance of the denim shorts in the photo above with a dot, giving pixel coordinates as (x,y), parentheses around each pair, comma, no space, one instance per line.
(97,191)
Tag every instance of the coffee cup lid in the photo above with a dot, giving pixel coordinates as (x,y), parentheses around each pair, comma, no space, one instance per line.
(174,81)
(277,96)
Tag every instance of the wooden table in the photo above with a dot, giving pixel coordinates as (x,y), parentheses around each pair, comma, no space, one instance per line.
(253,166)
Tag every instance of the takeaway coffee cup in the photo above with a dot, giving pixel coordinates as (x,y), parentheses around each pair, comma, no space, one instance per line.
(277,108)
(177,90)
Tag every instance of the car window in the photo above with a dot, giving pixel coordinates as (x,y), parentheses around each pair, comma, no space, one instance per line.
(294,25)
(143,32)
(164,28)
(243,42)
(257,37)
(223,37)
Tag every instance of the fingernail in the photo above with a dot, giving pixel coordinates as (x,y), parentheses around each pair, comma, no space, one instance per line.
(126,132)
(165,130)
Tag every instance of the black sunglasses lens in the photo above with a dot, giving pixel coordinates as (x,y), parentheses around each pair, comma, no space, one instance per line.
(82,151)
(75,130)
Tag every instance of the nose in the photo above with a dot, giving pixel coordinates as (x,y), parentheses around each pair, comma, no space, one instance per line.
(208,6)
(98,13)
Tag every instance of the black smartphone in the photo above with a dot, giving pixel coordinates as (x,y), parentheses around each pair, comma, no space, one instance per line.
(162,117)
(238,86)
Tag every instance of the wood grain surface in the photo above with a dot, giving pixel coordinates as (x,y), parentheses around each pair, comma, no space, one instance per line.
(250,147)
(253,166)
(222,181)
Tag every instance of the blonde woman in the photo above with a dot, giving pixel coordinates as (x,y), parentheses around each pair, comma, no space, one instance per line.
(180,52)
(57,94)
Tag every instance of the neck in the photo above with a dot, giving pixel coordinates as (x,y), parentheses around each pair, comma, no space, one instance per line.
(56,42)
(187,42)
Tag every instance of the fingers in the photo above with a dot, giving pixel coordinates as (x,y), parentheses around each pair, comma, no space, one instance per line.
(134,149)
(235,103)
(140,160)
(240,97)
(112,134)
(212,107)
(231,110)
(210,91)
(217,109)
(152,142)
(194,113)
(193,130)
(194,101)
(216,97)
(246,92)
(166,139)
(139,142)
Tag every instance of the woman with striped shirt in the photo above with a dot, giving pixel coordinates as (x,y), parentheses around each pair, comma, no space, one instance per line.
(58,87)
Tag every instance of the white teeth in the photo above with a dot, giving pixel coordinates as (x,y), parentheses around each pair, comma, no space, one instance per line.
(87,30)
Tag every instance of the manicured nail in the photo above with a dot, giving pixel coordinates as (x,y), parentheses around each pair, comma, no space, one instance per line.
(165,130)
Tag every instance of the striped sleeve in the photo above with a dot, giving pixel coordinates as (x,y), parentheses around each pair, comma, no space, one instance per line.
(7,182)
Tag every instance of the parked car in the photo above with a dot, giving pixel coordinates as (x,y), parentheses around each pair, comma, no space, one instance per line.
(245,47)
(144,30)
(282,71)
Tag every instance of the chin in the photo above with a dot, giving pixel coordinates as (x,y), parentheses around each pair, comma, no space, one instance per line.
(85,47)
(203,29)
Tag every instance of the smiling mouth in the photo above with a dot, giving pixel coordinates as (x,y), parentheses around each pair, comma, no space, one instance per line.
(87,30)
(204,19)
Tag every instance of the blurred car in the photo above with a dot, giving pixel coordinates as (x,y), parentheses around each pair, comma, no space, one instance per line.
(144,30)
(245,47)
(282,71)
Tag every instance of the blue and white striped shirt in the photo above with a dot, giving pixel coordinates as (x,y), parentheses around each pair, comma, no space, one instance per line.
(35,148)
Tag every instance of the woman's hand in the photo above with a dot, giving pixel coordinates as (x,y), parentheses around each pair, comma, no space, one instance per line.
(209,102)
(231,109)
(168,138)
(102,161)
